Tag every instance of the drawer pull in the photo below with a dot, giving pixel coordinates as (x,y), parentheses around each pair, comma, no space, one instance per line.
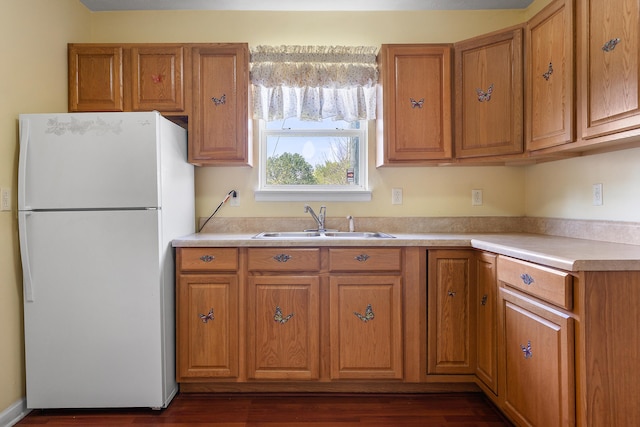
(451,293)
(483,301)
(206,317)
(207,258)
(362,257)
(528,353)
(282,257)
(280,318)
(526,279)
(610,45)
(368,314)
(548,73)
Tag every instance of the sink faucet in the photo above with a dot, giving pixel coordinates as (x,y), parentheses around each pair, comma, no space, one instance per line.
(319,219)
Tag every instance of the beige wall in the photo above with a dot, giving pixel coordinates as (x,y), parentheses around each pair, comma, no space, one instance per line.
(33,38)
(427,191)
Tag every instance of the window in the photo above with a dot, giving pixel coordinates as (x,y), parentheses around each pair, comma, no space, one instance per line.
(313,160)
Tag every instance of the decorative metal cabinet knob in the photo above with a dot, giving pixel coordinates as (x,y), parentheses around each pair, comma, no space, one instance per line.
(282,257)
(207,258)
(610,45)
(362,257)
(526,279)
(368,314)
(451,293)
(206,317)
(279,317)
(528,353)
(219,101)
(483,301)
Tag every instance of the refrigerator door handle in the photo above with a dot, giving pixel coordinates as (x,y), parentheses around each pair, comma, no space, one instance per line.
(24,254)
(22,163)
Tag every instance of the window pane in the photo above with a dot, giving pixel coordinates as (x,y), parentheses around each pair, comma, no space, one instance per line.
(312,160)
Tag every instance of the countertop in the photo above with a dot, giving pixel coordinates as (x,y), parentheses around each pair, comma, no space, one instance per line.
(558,252)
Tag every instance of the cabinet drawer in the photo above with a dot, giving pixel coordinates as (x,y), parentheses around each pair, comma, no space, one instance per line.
(365,259)
(284,259)
(550,285)
(207,259)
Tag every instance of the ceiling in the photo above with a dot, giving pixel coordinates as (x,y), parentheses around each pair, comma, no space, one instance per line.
(298,5)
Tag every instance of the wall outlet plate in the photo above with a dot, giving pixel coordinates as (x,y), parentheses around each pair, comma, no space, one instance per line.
(5,199)
(597,194)
(476,197)
(396,196)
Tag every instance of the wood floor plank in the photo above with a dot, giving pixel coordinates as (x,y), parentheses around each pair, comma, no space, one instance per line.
(289,410)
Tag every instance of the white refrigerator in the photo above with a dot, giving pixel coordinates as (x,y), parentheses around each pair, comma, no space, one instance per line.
(100,197)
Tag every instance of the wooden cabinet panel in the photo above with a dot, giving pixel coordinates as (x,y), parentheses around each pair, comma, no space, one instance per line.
(157,78)
(207,259)
(366,327)
(207,326)
(538,377)
(548,284)
(451,342)
(550,116)
(489,95)
(283,259)
(95,78)
(220,105)
(415,117)
(365,259)
(486,301)
(608,52)
(283,327)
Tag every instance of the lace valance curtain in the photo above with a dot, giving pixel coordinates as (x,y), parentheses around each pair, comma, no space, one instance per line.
(314,82)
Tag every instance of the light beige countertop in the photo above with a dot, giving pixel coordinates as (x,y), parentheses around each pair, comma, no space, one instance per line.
(559,252)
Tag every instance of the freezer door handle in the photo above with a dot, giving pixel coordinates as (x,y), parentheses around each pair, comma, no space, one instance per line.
(22,163)
(27,283)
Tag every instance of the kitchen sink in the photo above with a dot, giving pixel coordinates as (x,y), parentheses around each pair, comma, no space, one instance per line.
(322,234)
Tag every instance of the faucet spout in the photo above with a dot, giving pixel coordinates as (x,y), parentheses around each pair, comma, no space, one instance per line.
(319,219)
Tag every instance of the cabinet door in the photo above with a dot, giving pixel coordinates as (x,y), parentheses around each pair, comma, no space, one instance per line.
(207,326)
(486,324)
(157,82)
(95,78)
(283,327)
(416,104)
(366,327)
(451,342)
(489,92)
(538,377)
(608,54)
(550,82)
(220,105)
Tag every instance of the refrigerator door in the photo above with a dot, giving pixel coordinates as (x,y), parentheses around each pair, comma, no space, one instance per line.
(94,329)
(88,160)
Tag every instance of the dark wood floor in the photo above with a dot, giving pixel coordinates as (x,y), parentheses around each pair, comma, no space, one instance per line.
(447,410)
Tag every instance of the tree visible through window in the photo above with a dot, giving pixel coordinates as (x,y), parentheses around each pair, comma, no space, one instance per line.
(324,155)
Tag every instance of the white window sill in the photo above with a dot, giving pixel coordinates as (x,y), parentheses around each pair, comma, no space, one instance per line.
(312,196)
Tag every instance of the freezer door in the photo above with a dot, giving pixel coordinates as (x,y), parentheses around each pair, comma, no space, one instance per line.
(94,315)
(89,160)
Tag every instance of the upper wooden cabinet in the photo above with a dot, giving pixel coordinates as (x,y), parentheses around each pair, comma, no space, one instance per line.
(96,78)
(608,52)
(550,87)
(489,95)
(414,118)
(127,77)
(157,78)
(221,131)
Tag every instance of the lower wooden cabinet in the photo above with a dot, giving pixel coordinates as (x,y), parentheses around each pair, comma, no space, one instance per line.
(451,314)
(486,322)
(207,313)
(283,315)
(537,350)
(366,327)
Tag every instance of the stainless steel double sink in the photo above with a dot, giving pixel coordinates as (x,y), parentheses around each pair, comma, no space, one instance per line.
(322,234)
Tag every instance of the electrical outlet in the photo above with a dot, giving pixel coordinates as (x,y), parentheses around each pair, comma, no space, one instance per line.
(235,200)
(396,196)
(597,195)
(476,197)
(5,199)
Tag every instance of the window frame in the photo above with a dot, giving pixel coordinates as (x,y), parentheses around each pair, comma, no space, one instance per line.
(350,193)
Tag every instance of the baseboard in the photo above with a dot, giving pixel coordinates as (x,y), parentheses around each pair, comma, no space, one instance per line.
(14,413)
